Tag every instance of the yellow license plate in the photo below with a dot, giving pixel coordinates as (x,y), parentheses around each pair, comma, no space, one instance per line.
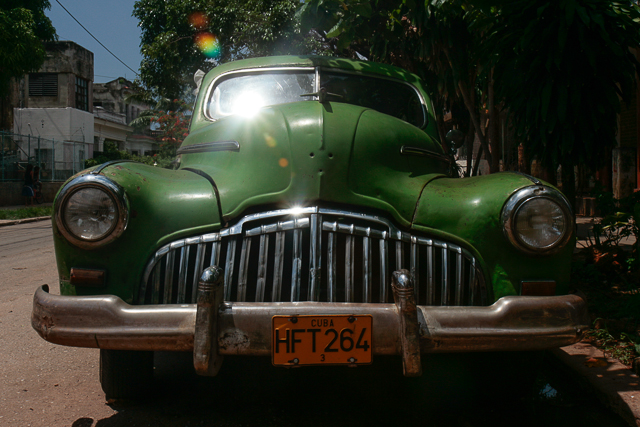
(321,340)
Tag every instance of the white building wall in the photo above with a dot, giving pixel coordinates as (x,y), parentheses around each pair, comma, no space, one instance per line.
(69,128)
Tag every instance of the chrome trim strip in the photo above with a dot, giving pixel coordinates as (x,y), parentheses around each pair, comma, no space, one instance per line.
(332,267)
(206,147)
(418,151)
(349,270)
(278,266)
(263,255)
(315,257)
(244,268)
(445,277)
(296,265)
(459,288)
(366,267)
(384,270)
(229,267)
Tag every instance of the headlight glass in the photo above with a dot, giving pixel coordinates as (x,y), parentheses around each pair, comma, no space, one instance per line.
(90,213)
(538,220)
(540,223)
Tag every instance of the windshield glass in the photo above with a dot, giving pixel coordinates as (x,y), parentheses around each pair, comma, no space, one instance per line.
(246,94)
(386,96)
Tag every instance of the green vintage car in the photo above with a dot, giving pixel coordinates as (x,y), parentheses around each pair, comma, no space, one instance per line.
(313,220)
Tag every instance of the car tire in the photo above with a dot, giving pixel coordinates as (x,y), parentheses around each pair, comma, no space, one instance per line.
(126,374)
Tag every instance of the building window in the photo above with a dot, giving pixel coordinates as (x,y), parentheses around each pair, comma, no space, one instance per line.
(82,94)
(43,84)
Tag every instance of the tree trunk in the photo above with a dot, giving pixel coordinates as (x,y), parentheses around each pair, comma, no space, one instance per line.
(471,108)
(494,139)
(569,180)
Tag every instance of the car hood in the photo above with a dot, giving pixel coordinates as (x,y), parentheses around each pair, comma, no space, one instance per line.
(308,153)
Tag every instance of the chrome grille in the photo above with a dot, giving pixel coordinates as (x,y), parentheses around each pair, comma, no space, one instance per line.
(314,254)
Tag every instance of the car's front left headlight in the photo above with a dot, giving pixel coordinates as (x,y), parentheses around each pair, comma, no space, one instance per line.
(91,211)
(538,220)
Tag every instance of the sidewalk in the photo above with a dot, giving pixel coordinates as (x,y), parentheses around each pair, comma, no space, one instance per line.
(4,222)
(613,383)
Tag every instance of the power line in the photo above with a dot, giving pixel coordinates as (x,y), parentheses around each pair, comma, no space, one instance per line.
(94,37)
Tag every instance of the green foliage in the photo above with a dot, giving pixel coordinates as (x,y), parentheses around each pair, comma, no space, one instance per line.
(163,159)
(562,66)
(625,348)
(242,28)
(31,212)
(558,67)
(618,222)
(23,27)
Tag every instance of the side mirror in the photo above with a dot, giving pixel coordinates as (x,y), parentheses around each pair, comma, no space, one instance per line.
(455,139)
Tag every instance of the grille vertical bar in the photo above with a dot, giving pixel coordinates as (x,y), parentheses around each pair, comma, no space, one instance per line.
(315,257)
(229,268)
(384,269)
(290,266)
(263,255)
(278,267)
(332,267)
(366,267)
(349,268)
(296,267)
(244,268)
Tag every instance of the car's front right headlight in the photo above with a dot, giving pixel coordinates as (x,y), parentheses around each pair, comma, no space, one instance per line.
(91,211)
(538,220)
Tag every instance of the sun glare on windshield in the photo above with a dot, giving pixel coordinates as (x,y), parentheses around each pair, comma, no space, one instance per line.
(247,104)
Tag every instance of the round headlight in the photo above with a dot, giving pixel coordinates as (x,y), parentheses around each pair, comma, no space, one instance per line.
(91,211)
(538,220)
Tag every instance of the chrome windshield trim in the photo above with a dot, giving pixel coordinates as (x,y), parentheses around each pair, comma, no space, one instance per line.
(206,147)
(417,151)
(317,71)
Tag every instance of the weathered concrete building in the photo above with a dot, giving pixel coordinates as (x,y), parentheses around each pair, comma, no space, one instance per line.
(113,109)
(56,105)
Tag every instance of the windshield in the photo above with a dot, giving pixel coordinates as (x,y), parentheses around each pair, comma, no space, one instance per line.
(246,94)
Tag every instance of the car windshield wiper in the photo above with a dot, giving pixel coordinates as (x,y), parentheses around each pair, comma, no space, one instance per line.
(322,95)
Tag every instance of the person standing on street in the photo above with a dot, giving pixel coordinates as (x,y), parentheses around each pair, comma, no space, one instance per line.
(27,189)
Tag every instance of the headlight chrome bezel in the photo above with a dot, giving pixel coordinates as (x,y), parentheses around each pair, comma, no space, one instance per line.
(114,191)
(518,200)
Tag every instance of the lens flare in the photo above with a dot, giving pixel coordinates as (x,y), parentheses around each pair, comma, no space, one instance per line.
(208,44)
(199,20)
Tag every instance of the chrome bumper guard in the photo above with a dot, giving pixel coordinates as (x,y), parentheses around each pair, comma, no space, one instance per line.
(242,328)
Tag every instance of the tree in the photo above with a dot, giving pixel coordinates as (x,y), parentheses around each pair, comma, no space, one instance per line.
(23,28)
(434,39)
(178,38)
(170,117)
(563,67)
(558,67)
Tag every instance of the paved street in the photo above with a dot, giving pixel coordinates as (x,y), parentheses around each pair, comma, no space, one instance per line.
(44,385)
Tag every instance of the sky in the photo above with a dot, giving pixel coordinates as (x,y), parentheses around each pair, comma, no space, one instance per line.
(110,21)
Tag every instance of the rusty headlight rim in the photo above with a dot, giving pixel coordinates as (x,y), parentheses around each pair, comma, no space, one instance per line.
(525,195)
(100,182)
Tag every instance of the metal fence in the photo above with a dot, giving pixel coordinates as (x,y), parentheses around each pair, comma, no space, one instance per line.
(58,159)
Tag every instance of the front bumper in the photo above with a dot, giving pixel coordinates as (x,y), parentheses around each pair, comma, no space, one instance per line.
(107,322)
